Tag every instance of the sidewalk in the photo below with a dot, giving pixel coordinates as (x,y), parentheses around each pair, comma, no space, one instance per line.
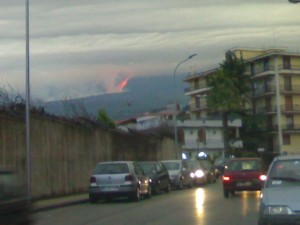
(59,202)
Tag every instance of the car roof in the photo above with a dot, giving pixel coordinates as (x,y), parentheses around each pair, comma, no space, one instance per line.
(174,160)
(287,157)
(116,162)
(245,158)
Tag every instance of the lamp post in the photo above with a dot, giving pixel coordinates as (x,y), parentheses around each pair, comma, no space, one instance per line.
(28,155)
(175,117)
(294,1)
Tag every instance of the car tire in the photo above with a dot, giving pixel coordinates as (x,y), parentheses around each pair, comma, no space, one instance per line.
(135,196)
(191,185)
(226,193)
(149,194)
(180,185)
(168,188)
(155,189)
(93,199)
(260,222)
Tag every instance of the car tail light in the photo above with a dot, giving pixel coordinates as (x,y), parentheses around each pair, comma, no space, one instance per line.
(226,178)
(263,177)
(93,180)
(129,177)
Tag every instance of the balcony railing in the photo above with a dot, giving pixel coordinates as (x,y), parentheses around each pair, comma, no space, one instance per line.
(196,88)
(259,69)
(293,108)
(270,89)
(286,127)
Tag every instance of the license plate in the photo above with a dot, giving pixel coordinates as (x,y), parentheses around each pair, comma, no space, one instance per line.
(243,184)
(110,188)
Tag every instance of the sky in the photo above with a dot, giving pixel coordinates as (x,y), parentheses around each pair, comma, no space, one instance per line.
(80,48)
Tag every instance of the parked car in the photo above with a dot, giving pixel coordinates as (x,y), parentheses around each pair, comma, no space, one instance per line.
(197,172)
(209,170)
(180,175)
(160,180)
(121,178)
(243,174)
(14,206)
(280,198)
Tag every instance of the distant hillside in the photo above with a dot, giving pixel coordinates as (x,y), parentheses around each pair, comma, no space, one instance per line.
(141,94)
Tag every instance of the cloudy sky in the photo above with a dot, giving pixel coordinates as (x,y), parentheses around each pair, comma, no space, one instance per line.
(86,47)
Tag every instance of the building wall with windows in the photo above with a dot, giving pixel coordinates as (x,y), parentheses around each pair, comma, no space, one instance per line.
(275,79)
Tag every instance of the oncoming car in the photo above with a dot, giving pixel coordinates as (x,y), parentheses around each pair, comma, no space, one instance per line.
(280,197)
(180,175)
(117,179)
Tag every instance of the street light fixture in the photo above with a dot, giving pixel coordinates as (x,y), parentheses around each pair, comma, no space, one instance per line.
(28,155)
(294,1)
(175,117)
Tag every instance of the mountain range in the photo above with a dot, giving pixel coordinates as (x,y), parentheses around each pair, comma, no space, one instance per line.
(141,94)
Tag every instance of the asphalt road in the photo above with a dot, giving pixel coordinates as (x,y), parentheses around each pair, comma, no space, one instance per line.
(202,205)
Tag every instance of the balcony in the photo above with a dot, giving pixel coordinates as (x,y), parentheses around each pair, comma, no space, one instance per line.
(271,89)
(196,89)
(261,70)
(291,128)
(286,108)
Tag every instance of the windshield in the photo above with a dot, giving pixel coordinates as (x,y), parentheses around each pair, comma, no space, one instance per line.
(148,167)
(194,165)
(113,168)
(172,165)
(284,173)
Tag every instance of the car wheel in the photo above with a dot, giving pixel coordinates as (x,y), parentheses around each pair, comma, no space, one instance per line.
(149,194)
(168,188)
(136,195)
(226,193)
(156,189)
(180,185)
(93,199)
(261,222)
(191,184)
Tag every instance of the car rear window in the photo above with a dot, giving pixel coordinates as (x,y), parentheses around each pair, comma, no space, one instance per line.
(247,165)
(111,168)
(147,167)
(172,165)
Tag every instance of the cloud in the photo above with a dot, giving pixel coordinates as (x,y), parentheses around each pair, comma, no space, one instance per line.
(82,47)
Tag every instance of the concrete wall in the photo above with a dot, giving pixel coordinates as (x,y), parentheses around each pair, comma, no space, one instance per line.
(63,155)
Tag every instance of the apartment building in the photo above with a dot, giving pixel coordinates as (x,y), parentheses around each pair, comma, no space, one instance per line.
(275,80)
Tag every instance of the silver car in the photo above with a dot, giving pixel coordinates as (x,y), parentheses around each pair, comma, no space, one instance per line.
(179,173)
(118,179)
(280,197)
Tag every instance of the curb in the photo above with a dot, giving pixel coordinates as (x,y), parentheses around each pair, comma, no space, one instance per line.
(37,208)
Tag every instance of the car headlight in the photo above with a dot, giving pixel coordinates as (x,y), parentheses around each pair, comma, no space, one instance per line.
(199,173)
(278,210)
(192,175)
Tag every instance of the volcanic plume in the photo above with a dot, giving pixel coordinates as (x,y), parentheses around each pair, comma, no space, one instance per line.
(123,84)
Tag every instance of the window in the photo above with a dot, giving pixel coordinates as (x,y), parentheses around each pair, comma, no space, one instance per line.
(286,62)
(286,139)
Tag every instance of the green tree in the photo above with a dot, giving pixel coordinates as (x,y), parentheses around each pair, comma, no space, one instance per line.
(229,90)
(104,119)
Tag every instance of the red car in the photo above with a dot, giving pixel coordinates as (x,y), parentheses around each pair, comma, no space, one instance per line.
(243,174)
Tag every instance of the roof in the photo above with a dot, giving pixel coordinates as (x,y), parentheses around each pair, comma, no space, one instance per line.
(287,157)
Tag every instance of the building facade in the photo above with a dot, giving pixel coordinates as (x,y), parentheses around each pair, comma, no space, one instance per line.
(275,81)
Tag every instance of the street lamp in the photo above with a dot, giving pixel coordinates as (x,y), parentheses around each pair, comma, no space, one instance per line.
(175,117)
(28,155)
(294,1)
